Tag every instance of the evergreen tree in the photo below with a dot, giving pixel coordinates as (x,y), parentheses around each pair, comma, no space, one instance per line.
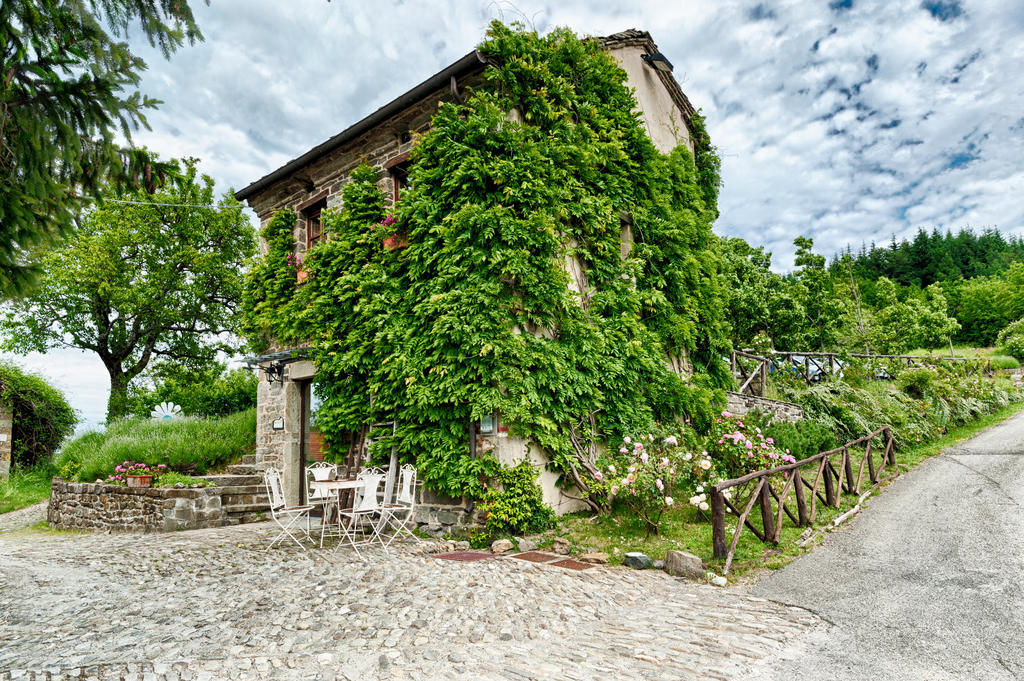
(65,95)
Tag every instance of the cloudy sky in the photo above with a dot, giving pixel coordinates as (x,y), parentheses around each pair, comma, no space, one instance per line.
(845,120)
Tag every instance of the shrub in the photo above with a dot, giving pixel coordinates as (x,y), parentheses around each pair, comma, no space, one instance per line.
(211,391)
(1004,362)
(42,418)
(918,382)
(801,438)
(187,445)
(514,503)
(737,447)
(1012,339)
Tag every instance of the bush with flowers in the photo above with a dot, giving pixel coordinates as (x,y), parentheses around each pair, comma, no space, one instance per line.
(126,468)
(738,448)
(648,474)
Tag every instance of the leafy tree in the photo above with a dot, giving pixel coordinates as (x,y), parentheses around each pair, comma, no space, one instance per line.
(65,95)
(935,326)
(823,310)
(759,300)
(900,325)
(138,282)
(894,326)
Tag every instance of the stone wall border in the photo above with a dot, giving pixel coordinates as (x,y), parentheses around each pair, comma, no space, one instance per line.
(786,412)
(99,507)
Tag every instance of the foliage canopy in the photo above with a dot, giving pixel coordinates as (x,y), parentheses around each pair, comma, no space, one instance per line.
(140,282)
(64,98)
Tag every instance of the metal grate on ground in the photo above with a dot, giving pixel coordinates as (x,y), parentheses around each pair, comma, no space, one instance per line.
(537,557)
(464,556)
(570,564)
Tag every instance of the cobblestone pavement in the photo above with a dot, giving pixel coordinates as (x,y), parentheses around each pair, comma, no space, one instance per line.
(213,604)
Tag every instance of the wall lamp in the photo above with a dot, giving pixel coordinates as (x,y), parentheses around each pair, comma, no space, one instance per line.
(658,61)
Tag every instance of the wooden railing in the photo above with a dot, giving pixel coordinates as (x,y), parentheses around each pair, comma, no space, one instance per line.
(752,381)
(830,482)
(818,366)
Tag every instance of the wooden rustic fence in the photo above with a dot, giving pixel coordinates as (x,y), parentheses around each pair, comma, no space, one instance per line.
(831,479)
(753,380)
(819,366)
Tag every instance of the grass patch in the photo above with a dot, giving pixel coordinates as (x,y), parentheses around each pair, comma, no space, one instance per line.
(171,479)
(188,445)
(685,528)
(25,487)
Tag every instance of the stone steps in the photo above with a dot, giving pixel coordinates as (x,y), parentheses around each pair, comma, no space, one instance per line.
(234,480)
(244,469)
(237,509)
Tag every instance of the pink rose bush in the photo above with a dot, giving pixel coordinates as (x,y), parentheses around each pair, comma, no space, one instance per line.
(737,449)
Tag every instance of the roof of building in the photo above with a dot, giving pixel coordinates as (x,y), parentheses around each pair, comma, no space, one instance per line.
(472,62)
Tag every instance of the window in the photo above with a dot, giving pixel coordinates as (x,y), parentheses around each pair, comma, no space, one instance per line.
(398,167)
(314,228)
(310,211)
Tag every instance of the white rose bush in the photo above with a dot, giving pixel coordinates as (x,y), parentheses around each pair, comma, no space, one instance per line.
(647,473)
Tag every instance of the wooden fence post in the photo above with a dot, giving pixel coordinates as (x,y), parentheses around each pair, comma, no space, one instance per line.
(801,504)
(830,488)
(871,462)
(717,523)
(767,521)
(848,469)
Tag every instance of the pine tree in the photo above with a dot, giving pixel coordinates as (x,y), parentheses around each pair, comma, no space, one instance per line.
(65,94)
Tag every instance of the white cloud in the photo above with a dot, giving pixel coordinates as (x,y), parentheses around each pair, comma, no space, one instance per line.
(846,126)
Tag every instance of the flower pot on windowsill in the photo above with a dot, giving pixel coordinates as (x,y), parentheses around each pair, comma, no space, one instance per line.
(139,480)
(396,241)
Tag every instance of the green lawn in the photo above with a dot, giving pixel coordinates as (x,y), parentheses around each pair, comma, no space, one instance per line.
(24,488)
(686,528)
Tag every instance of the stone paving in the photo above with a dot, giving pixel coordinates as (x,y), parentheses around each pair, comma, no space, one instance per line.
(214,604)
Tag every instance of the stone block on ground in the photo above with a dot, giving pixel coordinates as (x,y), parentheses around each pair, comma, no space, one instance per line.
(598,558)
(501,546)
(683,564)
(561,546)
(524,544)
(637,560)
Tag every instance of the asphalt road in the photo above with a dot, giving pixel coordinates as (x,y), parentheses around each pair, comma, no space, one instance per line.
(927,582)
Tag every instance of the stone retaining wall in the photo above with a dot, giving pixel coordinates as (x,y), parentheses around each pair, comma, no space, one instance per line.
(100,507)
(782,411)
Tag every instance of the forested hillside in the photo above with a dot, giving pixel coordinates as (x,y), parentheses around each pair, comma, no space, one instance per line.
(937,289)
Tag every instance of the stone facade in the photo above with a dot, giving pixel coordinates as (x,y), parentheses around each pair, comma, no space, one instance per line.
(6,433)
(114,508)
(781,411)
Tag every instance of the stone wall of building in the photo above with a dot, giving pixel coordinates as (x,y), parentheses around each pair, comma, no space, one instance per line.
(782,411)
(114,508)
(6,433)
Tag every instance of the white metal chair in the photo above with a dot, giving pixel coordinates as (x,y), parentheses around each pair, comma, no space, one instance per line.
(399,513)
(365,506)
(285,516)
(318,496)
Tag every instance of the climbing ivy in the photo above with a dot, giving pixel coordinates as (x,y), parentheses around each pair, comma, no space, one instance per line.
(478,314)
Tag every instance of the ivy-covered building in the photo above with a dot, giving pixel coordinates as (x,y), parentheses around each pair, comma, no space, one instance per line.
(512,259)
